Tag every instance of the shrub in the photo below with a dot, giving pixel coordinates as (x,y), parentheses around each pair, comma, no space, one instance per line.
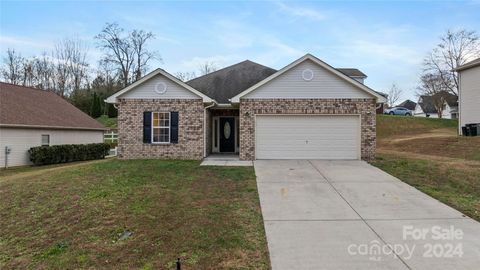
(42,155)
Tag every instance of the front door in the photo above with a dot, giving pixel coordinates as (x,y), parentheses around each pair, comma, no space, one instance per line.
(227,134)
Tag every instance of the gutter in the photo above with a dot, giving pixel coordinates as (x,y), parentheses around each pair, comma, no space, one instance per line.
(50,127)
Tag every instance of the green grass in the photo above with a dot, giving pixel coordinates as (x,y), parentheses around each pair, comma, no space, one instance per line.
(107,122)
(457,186)
(388,125)
(73,217)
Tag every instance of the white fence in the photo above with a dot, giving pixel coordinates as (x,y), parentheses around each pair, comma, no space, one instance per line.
(110,137)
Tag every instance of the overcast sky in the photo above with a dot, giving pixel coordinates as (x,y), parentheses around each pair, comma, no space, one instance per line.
(386,40)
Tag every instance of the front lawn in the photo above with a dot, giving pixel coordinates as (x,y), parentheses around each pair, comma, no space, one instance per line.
(428,154)
(131,214)
(455,183)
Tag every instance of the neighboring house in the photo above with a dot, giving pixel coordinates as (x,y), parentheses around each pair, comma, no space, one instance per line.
(408,104)
(469,93)
(307,109)
(426,106)
(31,117)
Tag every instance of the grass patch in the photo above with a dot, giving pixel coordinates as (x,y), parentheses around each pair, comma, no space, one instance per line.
(74,217)
(457,187)
(390,125)
(107,122)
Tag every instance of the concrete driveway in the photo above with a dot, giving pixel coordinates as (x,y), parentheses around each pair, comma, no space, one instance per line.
(350,215)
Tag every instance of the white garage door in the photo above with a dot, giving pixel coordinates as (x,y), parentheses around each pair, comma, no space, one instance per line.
(307,137)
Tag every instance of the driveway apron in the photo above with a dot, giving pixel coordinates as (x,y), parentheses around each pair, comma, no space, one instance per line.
(338,214)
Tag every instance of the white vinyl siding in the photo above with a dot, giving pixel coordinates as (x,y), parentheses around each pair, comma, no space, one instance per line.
(22,139)
(469,100)
(324,84)
(307,137)
(146,90)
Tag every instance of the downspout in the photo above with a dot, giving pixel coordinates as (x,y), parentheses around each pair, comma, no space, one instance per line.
(205,129)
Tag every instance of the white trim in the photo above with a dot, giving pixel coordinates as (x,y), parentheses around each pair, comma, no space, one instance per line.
(113,98)
(160,127)
(50,127)
(380,98)
(359,128)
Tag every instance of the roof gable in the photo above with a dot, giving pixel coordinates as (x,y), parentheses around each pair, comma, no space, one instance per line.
(318,62)
(151,89)
(28,107)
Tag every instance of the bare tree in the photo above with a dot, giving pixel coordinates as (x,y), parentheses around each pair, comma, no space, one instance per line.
(77,64)
(126,51)
(455,49)
(118,50)
(394,95)
(207,67)
(185,76)
(139,39)
(433,87)
(12,69)
(45,73)
(29,78)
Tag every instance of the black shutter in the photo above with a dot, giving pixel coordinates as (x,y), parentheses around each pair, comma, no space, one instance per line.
(147,127)
(174,127)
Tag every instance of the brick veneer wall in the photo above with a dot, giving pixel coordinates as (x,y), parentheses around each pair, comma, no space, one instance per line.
(190,129)
(251,107)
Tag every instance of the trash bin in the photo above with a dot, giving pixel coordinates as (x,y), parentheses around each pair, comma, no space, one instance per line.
(465,131)
(472,129)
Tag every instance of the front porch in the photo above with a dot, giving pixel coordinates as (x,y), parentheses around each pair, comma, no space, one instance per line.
(222,132)
(221,159)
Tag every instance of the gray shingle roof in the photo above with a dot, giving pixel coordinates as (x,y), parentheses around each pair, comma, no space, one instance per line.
(428,106)
(223,84)
(352,72)
(228,82)
(408,104)
(28,106)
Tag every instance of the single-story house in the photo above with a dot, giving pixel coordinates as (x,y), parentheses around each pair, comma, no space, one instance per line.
(408,104)
(31,117)
(469,93)
(306,110)
(426,106)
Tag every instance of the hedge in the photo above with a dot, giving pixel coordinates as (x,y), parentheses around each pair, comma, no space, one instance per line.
(43,155)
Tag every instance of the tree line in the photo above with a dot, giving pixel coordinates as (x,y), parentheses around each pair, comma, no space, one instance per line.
(66,71)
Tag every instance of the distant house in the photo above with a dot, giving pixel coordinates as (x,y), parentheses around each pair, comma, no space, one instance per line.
(469,93)
(30,117)
(426,106)
(408,104)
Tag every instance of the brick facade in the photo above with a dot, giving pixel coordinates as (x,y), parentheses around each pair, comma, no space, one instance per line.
(190,129)
(251,107)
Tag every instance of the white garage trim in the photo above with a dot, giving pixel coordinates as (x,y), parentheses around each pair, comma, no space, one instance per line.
(357,155)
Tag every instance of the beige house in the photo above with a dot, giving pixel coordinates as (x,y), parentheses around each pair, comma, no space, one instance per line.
(469,94)
(30,117)
(306,110)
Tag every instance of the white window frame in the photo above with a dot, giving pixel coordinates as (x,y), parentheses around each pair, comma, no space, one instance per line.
(162,127)
(41,139)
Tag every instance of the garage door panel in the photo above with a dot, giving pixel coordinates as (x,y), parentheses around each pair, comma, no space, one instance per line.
(307,137)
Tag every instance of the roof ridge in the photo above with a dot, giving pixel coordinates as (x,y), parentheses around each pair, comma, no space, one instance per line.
(224,68)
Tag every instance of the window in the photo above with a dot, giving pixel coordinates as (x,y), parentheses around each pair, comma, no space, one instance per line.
(45,140)
(161,127)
